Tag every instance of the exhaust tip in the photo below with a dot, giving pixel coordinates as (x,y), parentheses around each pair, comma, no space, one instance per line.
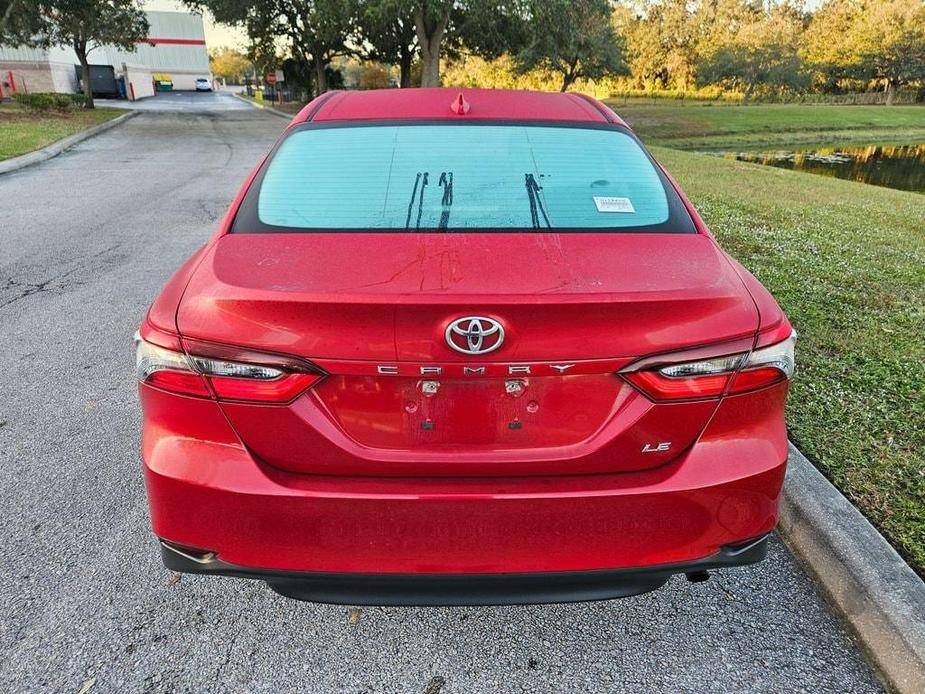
(193,554)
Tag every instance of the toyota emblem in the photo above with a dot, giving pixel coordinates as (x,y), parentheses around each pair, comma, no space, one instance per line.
(474,335)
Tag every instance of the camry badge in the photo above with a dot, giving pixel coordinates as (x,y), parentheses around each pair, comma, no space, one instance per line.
(474,335)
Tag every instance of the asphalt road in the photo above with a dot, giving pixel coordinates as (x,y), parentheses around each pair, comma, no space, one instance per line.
(183,102)
(86,240)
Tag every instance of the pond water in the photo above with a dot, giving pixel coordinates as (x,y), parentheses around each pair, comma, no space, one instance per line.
(891,166)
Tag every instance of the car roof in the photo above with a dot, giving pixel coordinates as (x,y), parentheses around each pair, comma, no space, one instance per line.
(436,103)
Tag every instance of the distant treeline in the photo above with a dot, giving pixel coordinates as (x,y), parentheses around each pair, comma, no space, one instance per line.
(738,49)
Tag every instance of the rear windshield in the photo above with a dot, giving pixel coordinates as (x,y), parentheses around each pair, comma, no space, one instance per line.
(454,178)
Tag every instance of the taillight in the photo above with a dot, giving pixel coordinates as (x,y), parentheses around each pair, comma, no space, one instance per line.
(766,366)
(667,377)
(204,370)
(167,370)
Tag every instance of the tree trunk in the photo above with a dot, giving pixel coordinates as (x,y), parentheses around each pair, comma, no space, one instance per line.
(570,75)
(746,97)
(404,67)
(305,69)
(430,74)
(309,85)
(321,77)
(430,34)
(80,48)
(890,92)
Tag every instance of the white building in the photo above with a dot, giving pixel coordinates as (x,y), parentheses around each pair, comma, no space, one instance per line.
(176,46)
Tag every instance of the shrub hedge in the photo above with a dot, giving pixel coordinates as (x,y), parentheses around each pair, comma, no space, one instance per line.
(43,102)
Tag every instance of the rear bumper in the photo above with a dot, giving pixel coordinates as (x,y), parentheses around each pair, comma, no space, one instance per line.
(206,491)
(466,589)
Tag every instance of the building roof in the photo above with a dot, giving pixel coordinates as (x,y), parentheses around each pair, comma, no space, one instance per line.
(483,104)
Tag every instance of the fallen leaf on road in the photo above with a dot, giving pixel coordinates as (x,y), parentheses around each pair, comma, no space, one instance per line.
(87,686)
(435,685)
(353,615)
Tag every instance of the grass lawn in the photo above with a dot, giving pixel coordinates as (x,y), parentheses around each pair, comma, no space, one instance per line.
(22,132)
(846,261)
(292,107)
(723,126)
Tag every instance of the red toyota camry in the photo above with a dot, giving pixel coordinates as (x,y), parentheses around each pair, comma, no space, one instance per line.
(462,348)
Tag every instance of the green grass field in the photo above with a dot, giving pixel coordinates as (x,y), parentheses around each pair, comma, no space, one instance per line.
(704,127)
(22,132)
(846,261)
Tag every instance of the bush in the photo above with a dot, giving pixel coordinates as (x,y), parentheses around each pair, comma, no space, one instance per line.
(43,102)
(35,102)
(704,94)
(374,77)
(77,100)
(61,102)
(903,96)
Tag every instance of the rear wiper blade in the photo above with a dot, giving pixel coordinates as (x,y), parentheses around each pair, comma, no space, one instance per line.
(536,202)
(420,197)
(446,182)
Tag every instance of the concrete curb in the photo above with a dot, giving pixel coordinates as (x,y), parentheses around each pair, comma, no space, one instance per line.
(860,574)
(262,107)
(55,148)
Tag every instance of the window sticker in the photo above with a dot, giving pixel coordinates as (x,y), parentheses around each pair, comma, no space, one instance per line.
(614,204)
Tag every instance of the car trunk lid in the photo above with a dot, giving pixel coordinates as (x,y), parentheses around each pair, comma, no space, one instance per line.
(373,311)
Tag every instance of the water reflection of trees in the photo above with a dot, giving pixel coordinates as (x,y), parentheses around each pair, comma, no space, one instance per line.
(891,166)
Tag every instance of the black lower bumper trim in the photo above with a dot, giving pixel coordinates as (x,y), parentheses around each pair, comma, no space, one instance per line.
(466,589)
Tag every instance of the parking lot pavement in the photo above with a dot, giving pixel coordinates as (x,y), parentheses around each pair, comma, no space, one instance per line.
(184,102)
(88,238)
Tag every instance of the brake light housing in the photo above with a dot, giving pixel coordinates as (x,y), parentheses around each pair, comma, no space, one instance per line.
(167,369)
(675,377)
(224,372)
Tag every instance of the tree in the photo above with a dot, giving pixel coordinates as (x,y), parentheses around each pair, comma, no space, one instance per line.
(389,34)
(824,49)
(295,71)
(431,19)
(573,37)
(880,40)
(662,42)
(87,24)
(229,64)
(762,51)
(19,23)
(332,23)
(317,30)
(892,42)
(486,28)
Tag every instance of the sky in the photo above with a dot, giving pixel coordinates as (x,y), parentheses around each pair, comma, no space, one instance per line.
(216,34)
